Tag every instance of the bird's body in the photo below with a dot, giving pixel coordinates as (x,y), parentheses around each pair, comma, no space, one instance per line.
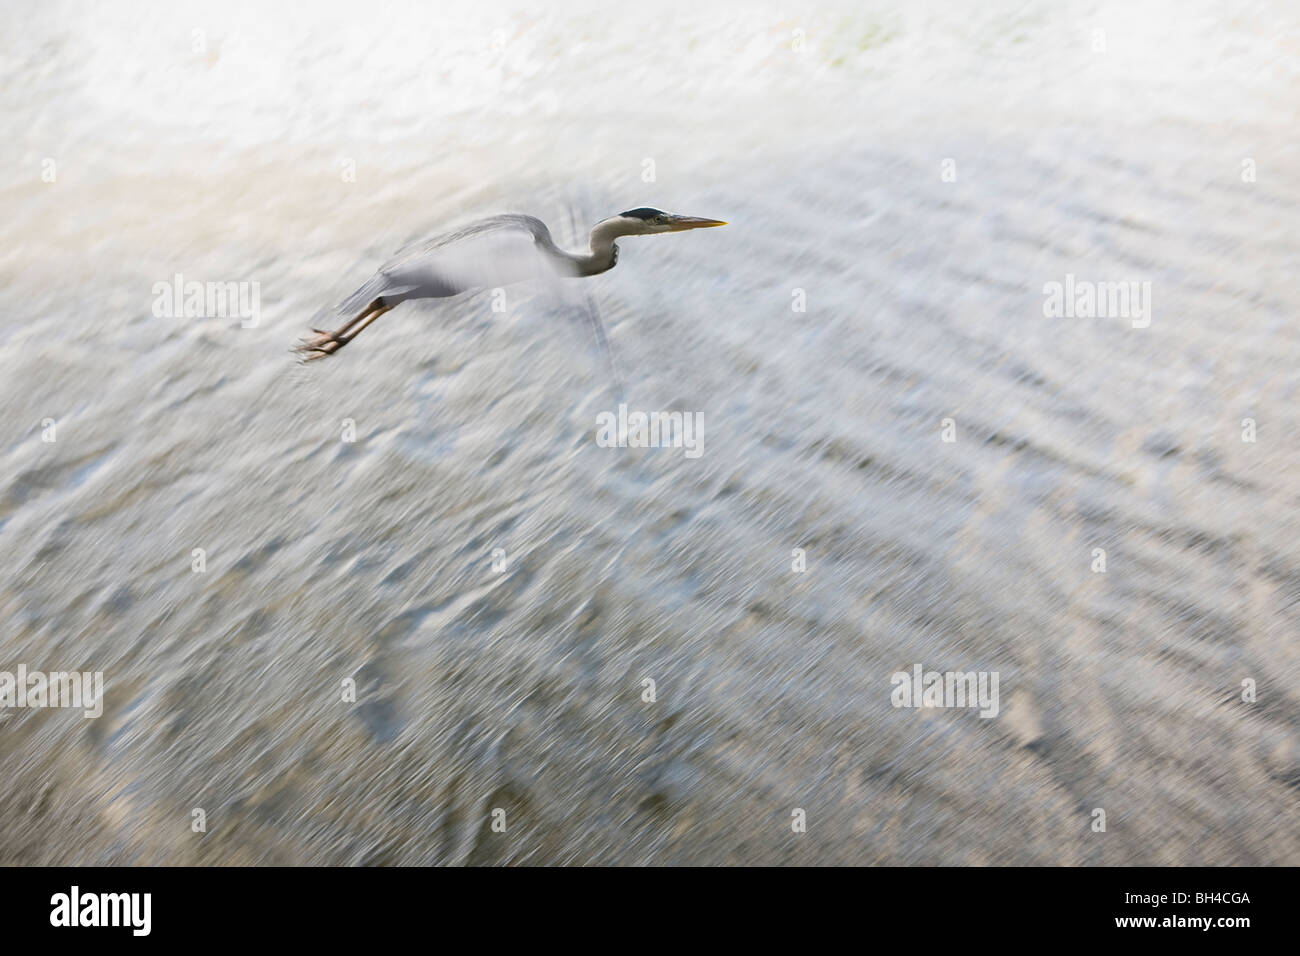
(488,254)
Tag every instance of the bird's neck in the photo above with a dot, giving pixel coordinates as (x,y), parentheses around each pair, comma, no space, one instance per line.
(603,254)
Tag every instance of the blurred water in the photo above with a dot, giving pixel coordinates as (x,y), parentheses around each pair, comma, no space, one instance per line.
(221,155)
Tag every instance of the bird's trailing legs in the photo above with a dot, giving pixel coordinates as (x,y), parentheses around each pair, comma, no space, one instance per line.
(327,343)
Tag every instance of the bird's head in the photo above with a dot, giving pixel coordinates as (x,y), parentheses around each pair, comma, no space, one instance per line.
(646,221)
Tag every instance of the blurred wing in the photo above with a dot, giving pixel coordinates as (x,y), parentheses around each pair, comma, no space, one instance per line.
(488,254)
(591,313)
(597,327)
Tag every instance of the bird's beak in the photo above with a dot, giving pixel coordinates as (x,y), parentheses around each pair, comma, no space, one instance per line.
(681,223)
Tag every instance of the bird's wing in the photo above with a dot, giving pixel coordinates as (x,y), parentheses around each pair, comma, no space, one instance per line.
(597,327)
(595,324)
(487,254)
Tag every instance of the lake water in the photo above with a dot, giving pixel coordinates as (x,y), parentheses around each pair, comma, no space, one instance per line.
(430,515)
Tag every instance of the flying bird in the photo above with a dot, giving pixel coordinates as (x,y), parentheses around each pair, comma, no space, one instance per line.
(489,254)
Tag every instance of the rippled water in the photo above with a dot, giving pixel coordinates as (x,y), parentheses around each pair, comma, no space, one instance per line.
(298,152)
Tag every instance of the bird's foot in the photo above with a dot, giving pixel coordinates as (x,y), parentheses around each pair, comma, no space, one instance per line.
(320,345)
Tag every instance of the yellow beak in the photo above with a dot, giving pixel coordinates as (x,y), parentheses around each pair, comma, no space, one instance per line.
(681,223)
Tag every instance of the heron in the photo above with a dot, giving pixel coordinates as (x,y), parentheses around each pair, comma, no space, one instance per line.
(488,254)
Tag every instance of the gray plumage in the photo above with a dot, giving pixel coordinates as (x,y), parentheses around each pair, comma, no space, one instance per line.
(489,254)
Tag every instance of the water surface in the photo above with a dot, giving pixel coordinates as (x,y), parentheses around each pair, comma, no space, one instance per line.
(299,151)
